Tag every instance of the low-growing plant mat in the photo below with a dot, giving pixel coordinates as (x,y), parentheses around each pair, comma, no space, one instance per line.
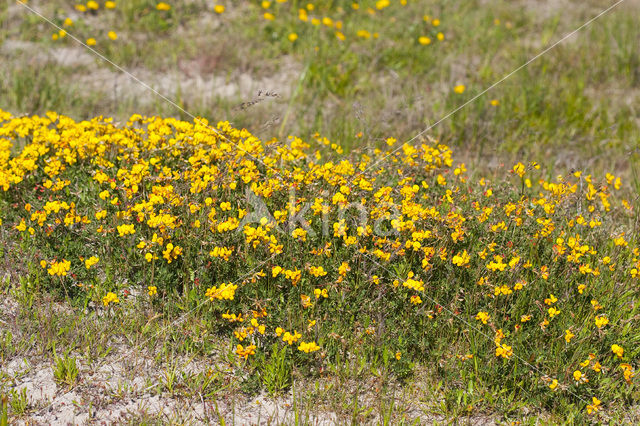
(278,263)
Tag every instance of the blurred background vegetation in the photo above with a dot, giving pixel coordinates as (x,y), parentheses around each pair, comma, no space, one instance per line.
(356,72)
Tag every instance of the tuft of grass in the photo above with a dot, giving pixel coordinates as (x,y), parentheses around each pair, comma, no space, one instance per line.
(65,370)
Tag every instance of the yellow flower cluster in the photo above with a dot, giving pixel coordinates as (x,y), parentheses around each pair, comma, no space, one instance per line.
(59,268)
(401,225)
(224,292)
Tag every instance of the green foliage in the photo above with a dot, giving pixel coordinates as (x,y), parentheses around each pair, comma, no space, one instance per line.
(19,401)
(65,370)
(275,371)
(4,410)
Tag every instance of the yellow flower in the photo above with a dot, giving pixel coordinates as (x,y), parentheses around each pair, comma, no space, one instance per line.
(225,292)
(112,35)
(152,290)
(459,89)
(126,230)
(275,271)
(321,293)
(91,41)
(218,8)
(398,355)
(91,4)
(245,352)
(317,271)
(163,6)
(628,372)
(461,259)
(291,338)
(292,37)
(110,5)
(269,16)
(554,384)
(424,40)
(308,347)
(504,351)
(568,335)
(592,408)
(59,268)
(91,261)
(601,321)
(22,226)
(110,298)
(483,316)
(305,300)
(617,349)
(577,375)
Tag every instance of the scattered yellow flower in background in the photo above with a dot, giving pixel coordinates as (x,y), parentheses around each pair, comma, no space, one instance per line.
(91,41)
(163,6)
(152,290)
(292,37)
(112,35)
(459,89)
(218,8)
(424,40)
